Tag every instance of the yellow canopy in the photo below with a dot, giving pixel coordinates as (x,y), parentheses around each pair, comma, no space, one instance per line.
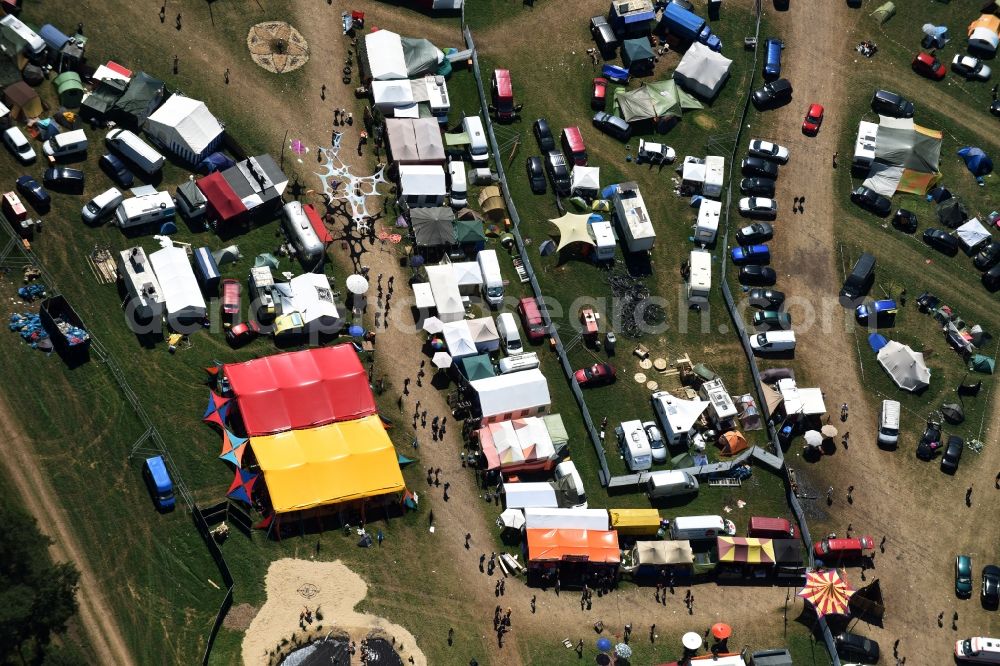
(573,229)
(327,465)
(635,521)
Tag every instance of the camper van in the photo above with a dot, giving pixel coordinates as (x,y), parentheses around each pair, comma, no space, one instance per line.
(670,483)
(503,96)
(518,362)
(699,284)
(978,650)
(489,266)
(66,144)
(510,337)
(101,206)
(861,278)
(459,192)
(707,226)
(888,423)
(531,317)
(634,446)
(566,473)
(15,31)
(479,151)
(157,478)
(772,342)
(135,150)
(301,234)
(694,528)
(573,146)
(145,210)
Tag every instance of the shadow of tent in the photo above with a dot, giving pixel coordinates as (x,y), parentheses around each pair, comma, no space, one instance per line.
(868,605)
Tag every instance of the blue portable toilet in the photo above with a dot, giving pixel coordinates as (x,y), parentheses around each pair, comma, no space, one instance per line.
(161,486)
(207,271)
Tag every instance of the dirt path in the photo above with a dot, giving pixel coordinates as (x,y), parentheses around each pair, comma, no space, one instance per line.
(21,467)
(915,569)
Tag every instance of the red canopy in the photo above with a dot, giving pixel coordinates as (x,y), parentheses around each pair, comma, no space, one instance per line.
(222,200)
(301,389)
(581,545)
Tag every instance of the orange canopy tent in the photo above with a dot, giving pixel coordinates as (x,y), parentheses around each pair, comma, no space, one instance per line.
(554,545)
(731,443)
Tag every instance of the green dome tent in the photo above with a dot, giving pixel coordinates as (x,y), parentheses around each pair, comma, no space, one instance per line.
(884,13)
(70,89)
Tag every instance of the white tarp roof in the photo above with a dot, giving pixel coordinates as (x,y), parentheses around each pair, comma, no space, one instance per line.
(185,126)
(447,299)
(512,393)
(524,495)
(459,340)
(884,178)
(971,234)
(422,180)
(392,93)
(467,273)
(905,366)
(103,72)
(181,293)
(664,552)
(702,71)
(569,519)
(517,441)
(484,333)
(385,55)
(310,295)
(694,169)
(681,414)
(807,401)
(586,178)
(415,140)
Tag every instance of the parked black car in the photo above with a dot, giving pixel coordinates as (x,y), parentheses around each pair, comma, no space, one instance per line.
(536,174)
(772,94)
(64,179)
(34,193)
(555,164)
(871,201)
(856,647)
(766,299)
(991,278)
(117,171)
(758,275)
(890,104)
(988,257)
(757,166)
(613,125)
(941,241)
(929,443)
(758,232)
(762,187)
(990,593)
(904,220)
(543,135)
(952,454)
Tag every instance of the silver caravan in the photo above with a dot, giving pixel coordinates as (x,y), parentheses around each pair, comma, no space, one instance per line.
(302,235)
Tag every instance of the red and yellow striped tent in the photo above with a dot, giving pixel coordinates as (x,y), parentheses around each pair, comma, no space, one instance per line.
(827,591)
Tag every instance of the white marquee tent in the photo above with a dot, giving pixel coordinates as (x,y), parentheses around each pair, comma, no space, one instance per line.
(568,519)
(181,293)
(459,340)
(702,72)
(514,395)
(385,55)
(905,366)
(186,128)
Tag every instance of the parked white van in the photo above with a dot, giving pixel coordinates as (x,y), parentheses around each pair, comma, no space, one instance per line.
(978,650)
(518,362)
(101,206)
(670,483)
(34,45)
(566,474)
(489,266)
(888,423)
(66,144)
(634,446)
(148,209)
(695,528)
(18,144)
(510,337)
(459,192)
(135,150)
(479,151)
(772,342)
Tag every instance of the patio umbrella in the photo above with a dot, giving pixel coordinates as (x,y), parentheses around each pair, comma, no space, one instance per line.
(953,412)
(623,651)
(242,486)
(437,344)
(416,261)
(356,284)
(442,360)
(513,519)
(603,644)
(827,592)
(813,438)
(433,325)
(722,631)
(355,331)
(691,640)
(829,431)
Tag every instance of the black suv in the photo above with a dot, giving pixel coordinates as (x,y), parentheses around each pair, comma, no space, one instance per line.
(543,135)
(761,187)
(555,165)
(856,647)
(613,125)
(941,241)
(988,257)
(758,166)
(773,94)
(890,104)
(871,201)
(952,454)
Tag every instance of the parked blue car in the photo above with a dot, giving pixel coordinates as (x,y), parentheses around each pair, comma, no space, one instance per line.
(772,60)
(886,308)
(751,254)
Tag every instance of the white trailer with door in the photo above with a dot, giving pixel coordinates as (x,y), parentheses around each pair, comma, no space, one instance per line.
(633,218)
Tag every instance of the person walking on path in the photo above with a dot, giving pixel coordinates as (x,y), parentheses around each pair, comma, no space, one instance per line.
(850,494)
(968,496)
(829,496)
(225,76)
(835,159)
(533,599)
(468,537)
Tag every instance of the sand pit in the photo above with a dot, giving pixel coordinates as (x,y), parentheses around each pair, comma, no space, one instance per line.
(291,586)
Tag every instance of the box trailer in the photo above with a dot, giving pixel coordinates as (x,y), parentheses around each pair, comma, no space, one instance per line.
(706,228)
(633,219)
(145,297)
(715,173)
(699,283)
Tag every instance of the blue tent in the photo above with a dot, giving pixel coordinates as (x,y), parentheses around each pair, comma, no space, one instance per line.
(215,162)
(976,160)
(876,341)
(53,37)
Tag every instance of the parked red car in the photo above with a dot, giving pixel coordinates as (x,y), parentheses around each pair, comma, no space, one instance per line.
(231,297)
(599,98)
(813,119)
(242,333)
(843,548)
(598,374)
(927,65)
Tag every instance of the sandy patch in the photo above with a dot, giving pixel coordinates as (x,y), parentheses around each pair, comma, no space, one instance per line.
(292,585)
